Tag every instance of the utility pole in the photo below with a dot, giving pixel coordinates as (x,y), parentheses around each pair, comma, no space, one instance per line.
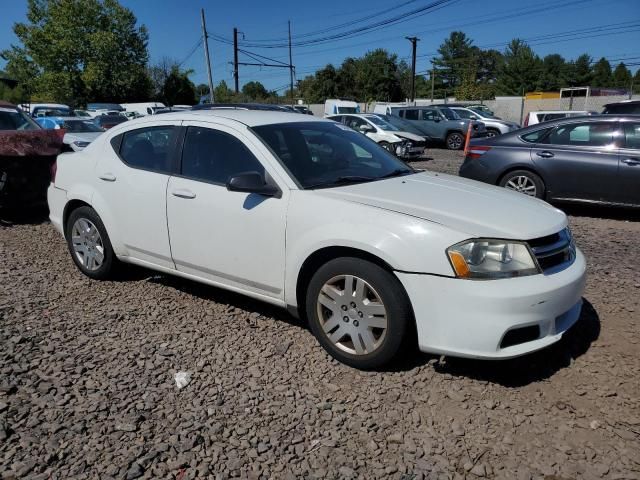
(206,55)
(235,57)
(290,65)
(414,41)
(433,82)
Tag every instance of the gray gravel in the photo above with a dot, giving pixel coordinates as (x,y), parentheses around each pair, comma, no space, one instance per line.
(87,387)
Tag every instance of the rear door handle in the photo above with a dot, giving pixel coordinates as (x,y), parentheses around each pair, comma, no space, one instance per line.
(183,193)
(108,177)
(544,154)
(631,161)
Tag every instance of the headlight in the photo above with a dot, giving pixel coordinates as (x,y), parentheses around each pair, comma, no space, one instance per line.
(81,144)
(491,259)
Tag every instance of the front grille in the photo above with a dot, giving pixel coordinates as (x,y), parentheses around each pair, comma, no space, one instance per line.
(554,252)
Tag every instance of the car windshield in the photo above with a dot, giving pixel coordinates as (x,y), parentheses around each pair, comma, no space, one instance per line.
(80,126)
(328,154)
(384,125)
(11,119)
(449,114)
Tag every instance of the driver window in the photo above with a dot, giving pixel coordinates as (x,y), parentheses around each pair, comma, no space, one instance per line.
(354,122)
(429,115)
(214,156)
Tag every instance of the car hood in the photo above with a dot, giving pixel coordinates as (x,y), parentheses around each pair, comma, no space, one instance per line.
(464,205)
(81,136)
(409,136)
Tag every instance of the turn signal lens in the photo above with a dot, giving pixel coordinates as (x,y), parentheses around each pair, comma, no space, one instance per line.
(459,265)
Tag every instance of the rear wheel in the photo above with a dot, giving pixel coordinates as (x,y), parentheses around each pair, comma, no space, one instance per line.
(524,181)
(358,311)
(89,244)
(455,141)
(491,132)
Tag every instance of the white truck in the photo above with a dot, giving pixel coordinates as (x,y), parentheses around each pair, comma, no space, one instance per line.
(144,108)
(334,106)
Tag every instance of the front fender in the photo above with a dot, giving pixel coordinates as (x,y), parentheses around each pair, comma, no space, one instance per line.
(403,242)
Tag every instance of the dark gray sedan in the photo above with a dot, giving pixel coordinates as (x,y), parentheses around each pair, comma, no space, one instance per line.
(582,159)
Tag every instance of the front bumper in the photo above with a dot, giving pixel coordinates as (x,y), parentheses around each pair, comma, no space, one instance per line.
(470,318)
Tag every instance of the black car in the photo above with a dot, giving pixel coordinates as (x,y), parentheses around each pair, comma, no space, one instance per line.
(592,159)
(629,107)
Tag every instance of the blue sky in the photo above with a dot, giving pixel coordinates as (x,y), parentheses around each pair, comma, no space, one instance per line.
(174,29)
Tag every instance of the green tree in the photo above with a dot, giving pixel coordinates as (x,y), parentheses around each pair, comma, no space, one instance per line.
(455,56)
(636,82)
(520,69)
(221,93)
(621,76)
(178,89)
(255,90)
(602,73)
(553,73)
(579,71)
(378,77)
(76,51)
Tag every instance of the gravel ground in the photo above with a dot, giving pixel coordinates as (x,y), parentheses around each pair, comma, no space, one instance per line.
(87,384)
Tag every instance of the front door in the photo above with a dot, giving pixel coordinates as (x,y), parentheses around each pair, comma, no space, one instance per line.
(580,161)
(230,238)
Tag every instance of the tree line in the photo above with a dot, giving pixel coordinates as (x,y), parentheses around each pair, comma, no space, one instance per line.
(79,51)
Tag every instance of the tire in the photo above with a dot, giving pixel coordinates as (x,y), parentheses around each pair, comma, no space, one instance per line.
(492,132)
(455,141)
(524,181)
(368,331)
(89,244)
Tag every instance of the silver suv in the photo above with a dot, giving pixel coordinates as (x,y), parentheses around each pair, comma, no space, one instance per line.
(442,124)
(495,126)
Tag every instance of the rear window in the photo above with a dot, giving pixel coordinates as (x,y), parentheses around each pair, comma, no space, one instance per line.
(583,134)
(622,109)
(149,148)
(535,137)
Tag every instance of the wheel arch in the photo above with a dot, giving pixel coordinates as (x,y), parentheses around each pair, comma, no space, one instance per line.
(324,255)
(72,205)
(527,168)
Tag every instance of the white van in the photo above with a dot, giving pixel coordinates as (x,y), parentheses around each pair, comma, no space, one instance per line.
(144,108)
(333,106)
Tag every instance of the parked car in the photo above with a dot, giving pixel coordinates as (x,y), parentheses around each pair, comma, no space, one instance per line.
(441,124)
(143,108)
(78,132)
(27,154)
(82,114)
(405,145)
(107,121)
(584,159)
(404,125)
(96,109)
(493,125)
(303,109)
(335,106)
(627,107)
(48,109)
(307,214)
(475,106)
(547,115)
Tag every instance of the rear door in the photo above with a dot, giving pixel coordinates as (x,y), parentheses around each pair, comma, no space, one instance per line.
(629,172)
(579,160)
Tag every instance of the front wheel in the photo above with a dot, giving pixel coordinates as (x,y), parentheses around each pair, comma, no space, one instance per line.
(455,141)
(89,244)
(492,133)
(358,311)
(524,181)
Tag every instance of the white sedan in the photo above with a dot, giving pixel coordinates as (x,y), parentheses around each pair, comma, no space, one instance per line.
(312,216)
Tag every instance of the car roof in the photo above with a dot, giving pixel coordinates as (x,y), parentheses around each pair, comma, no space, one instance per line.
(251,118)
(623,102)
(4,104)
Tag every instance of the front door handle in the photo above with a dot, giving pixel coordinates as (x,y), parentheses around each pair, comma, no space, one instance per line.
(108,177)
(544,154)
(183,193)
(631,161)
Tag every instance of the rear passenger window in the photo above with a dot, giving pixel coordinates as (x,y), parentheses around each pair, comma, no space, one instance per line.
(411,114)
(149,148)
(214,156)
(583,134)
(535,137)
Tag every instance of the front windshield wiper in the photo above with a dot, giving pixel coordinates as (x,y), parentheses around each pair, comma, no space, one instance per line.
(351,179)
(344,180)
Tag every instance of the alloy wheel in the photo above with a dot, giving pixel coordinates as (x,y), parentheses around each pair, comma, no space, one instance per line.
(454,142)
(352,315)
(522,184)
(87,244)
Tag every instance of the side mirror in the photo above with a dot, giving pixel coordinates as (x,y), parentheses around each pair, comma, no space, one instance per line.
(252,182)
(366,128)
